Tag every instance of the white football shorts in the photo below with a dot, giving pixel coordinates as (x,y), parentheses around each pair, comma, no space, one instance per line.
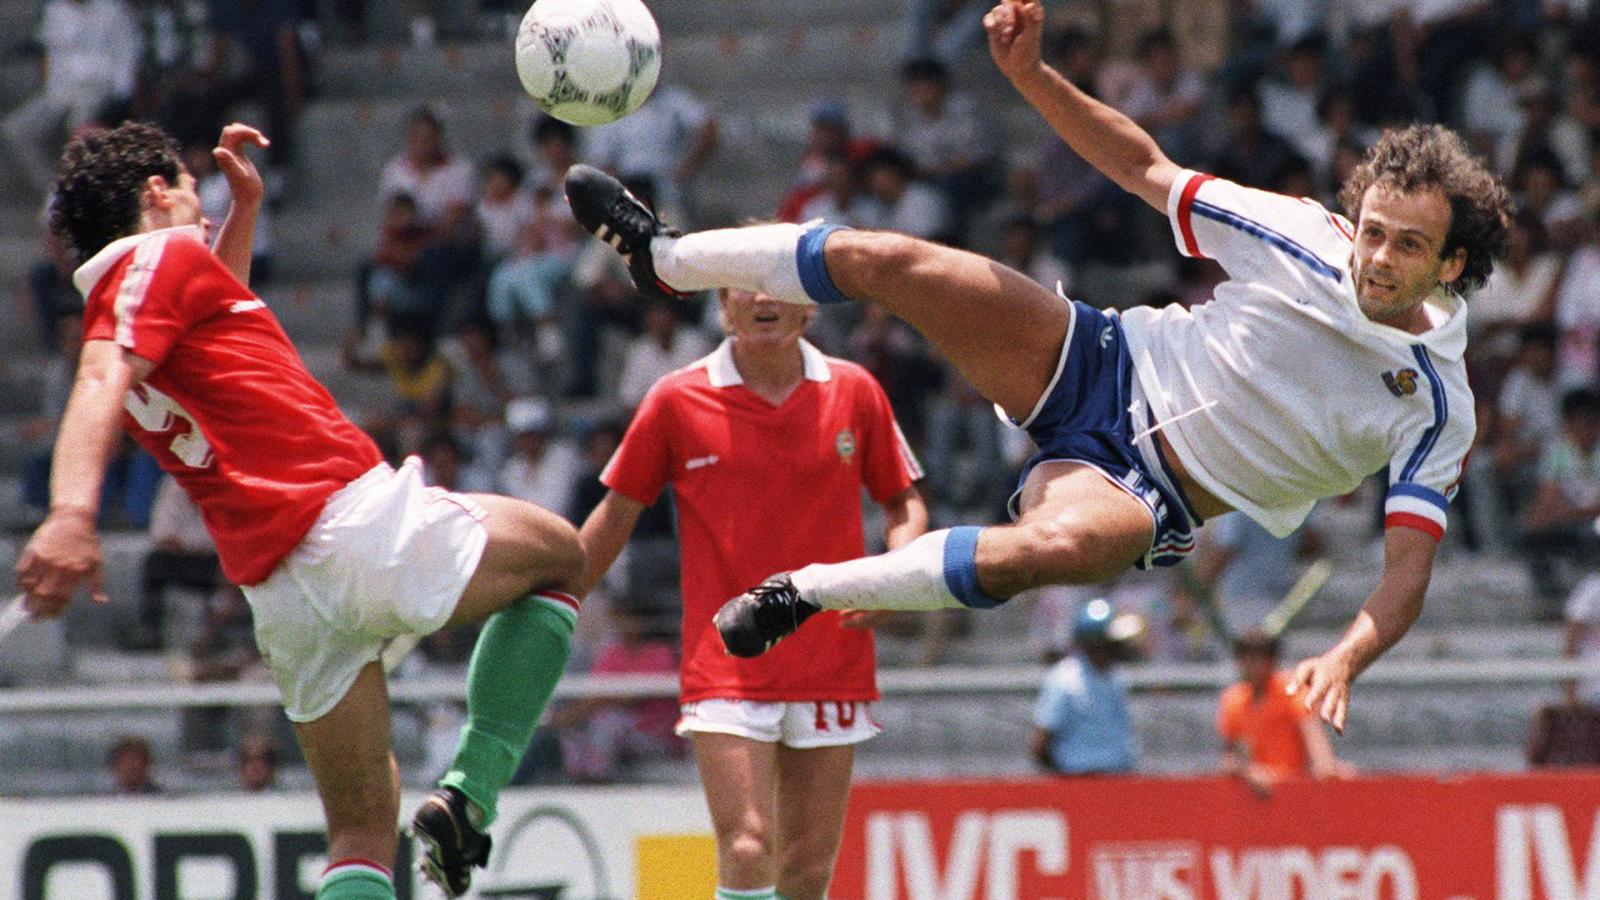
(388,556)
(803,724)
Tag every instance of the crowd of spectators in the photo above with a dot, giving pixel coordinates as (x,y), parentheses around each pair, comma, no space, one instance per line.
(512,349)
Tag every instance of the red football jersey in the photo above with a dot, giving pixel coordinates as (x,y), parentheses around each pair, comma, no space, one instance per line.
(761,489)
(228,409)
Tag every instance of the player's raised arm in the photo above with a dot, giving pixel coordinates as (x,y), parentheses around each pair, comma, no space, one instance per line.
(1107,139)
(1323,682)
(236,239)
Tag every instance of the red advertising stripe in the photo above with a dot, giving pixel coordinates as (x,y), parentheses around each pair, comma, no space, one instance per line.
(1418,837)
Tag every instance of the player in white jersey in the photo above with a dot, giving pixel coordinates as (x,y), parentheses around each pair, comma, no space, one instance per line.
(1332,350)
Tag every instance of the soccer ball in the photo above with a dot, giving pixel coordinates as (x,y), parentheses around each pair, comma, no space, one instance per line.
(588,62)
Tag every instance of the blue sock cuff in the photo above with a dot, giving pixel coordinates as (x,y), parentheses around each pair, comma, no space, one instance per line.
(961,568)
(813,272)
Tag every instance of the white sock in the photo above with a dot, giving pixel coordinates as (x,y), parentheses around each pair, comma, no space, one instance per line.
(755,258)
(912,577)
(766,893)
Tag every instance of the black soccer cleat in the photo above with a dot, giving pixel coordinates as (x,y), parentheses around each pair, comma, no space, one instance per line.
(760,617)
(454,847)
(613,214)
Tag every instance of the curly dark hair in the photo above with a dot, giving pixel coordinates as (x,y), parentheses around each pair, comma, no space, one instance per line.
(1432,157)
(99,182)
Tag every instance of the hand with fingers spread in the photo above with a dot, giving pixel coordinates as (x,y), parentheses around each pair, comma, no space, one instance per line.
(243,179)
(1323,684)
(63,553)
(1015,28)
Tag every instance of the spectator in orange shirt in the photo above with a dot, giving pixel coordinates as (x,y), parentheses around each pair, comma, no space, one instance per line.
(1266,735)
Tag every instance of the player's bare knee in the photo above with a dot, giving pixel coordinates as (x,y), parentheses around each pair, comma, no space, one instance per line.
(1058,553)
(864,260)
(748,847)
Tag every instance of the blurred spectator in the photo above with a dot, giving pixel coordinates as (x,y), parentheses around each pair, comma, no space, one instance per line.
(420,378)
(50,288)
(599,440)
(608,299)
(664,347)
(948,140)
(387,285)
(1559,522)
(215,200)
(1268,735)
(1521,289)
(1491,111)
(89,57)
(1246,151)
(181,554)
(542,468)
(828,143)
(1081,723)
(1247,570)
(1529,415)
(176,48)
(442,183)
(667,140)
(503,209)
(943,29)
(1583,639)
(256,763)
(1166,98)
(599,736)
(524,289)
(129,763)
(445,464)
(257,57)
(1569,733)
(909,206)
(900,359)
(1577,314)
(840,198)
(225,650)
(1437,40)
(1336,128)
(1542,192)
(1022,248)
(38,433)
(1546,131)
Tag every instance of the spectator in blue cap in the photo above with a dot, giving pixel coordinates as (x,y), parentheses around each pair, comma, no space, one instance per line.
(1081,724)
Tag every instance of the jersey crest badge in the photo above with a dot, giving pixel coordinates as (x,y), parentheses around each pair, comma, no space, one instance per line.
(845,443)
(1401,382)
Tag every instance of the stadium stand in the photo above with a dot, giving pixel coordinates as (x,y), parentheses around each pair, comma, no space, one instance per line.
(761,67)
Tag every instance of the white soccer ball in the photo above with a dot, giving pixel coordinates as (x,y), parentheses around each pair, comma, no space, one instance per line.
(588,62)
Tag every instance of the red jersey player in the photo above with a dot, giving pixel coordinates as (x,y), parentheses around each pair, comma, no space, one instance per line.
(336,551)
(767,444)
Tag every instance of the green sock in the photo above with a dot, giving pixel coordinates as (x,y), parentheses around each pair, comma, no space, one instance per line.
(355,883)
(519,657)
(766,893)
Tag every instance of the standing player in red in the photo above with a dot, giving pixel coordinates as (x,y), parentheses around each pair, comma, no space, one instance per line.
(767,444)
(336,551)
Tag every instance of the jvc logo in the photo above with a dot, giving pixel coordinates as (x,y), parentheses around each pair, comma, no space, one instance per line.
(1529,838)
(987,851)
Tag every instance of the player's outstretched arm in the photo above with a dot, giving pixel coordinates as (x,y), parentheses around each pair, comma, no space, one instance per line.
(1323,682)
(237,237)
(65,550)
(603,535)
(1107,139)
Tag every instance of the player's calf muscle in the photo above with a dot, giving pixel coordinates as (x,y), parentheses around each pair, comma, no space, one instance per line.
(872,265)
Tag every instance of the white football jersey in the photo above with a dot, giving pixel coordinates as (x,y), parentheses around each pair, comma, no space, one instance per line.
(1279,391)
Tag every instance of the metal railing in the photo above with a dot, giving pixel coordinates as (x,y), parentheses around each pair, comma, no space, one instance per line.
(893,682)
